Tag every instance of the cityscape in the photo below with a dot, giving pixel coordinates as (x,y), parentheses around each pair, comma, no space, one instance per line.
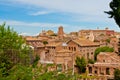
(63,49)
(59,40)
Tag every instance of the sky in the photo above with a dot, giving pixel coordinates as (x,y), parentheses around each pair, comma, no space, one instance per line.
(30,17)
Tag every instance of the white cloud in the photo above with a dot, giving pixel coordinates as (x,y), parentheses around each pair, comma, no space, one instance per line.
(29,34)
(35,27)
(39,13)
(92,7)
(92,18)
(24,34)
(85,10)
(31,24)
(30,27)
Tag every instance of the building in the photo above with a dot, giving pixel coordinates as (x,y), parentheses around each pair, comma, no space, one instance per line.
(96,33)
(83,47)
(58,54)
(60,32)
(36,43)
(62,50)
(105,65)
(65,58)
(114,43)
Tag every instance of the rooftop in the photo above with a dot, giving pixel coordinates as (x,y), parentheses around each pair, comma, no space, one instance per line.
(85,42)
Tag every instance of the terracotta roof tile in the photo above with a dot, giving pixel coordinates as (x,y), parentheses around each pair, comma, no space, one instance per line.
(85,42)
(32,38)
(54,44)
(35,44)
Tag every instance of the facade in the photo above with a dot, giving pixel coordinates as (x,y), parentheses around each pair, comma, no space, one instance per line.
(83,47)
(36,43)
(51,49)
(65,58)
(57,53)
(96,33)
(106,63)
(114,43)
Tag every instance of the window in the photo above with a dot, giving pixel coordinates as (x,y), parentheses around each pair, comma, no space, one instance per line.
(95,72)
(87,55)
(91,53)
(90,69)
(74,48)
(69,48)
(107,71)
(103,60)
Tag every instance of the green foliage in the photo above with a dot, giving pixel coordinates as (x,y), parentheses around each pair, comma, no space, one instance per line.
(61,77)
(53,34)
(108,40)
(45,42)
(9,39)
(115,11)
(12,50)
(19,72)
(35,62)
(45,76)
(102,49)
(81,64)
(59,67)
(91,61)
(117,74)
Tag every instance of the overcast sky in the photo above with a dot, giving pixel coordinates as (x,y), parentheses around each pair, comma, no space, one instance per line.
(30,17)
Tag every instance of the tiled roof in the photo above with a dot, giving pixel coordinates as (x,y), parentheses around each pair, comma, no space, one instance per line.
(85,42)
(32,39)
(53,44)
(110,54)
(36,44)
(92,30)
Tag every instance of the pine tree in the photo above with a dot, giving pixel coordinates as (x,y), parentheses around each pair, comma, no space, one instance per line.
(115,11)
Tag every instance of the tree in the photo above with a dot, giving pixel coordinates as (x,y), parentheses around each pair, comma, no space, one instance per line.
(45,42)
(81,64)
(20,72)
(115,12)
(12,50)
(108,40)
(117,74)
(91,61)
(36,60)
(102,49)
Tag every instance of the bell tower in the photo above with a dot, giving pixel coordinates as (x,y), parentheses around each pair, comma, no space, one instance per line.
(60,32)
